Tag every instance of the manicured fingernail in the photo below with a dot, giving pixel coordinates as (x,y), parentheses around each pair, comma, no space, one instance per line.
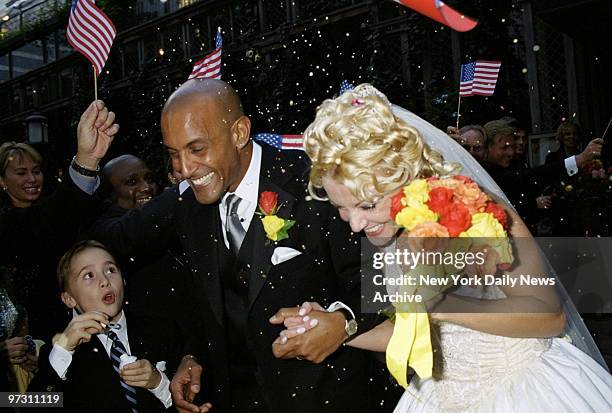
(283,340)
(273,318)
(314,322)
(302,311)
(305,319)
(301,330)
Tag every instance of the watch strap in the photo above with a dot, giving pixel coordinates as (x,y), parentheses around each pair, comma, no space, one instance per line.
(84,171)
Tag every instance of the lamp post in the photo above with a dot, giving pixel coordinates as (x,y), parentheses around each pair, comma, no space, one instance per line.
(37,129)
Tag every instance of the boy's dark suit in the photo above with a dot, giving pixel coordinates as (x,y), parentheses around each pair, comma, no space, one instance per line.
(236,314)
(92,385)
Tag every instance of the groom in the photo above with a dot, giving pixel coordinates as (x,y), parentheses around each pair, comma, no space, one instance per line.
(241,277)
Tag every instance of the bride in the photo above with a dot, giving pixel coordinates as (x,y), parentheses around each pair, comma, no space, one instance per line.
(485,359)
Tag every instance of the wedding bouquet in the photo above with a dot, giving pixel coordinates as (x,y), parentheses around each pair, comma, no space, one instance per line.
(445,217)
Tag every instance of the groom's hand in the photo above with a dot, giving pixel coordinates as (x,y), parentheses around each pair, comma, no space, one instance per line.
(185,385)
(316,344)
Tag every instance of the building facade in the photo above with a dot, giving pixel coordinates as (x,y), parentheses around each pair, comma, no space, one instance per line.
(285,56)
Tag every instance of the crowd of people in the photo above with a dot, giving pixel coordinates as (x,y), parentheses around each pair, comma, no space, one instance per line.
(539,193)
(241,280)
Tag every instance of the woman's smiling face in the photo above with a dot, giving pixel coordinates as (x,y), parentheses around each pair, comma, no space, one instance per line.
(373,219)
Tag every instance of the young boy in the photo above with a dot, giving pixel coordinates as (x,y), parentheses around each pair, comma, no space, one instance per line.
(85,359)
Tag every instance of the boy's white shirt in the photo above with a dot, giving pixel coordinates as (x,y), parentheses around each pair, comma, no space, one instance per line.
(60,360)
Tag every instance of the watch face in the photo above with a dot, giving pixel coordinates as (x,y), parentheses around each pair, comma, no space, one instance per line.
(351,327)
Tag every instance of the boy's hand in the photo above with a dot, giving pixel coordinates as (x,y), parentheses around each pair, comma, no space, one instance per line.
(141,373)
(80,329)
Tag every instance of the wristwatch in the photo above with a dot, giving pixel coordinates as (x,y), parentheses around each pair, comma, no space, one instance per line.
(350,326)
(84,171)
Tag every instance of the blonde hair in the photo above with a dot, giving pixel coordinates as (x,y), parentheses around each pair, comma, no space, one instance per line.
(497,128)
(9,150)
(566,126)
(358,141)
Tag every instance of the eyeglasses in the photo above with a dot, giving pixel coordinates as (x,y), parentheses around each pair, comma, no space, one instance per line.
(472,148)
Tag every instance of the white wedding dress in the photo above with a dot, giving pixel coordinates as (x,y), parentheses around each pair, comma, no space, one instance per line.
(480,372)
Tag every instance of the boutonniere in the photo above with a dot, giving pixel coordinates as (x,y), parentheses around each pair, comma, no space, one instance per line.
(276,228)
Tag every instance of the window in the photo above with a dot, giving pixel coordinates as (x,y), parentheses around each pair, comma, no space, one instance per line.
(5,69)
(27,58)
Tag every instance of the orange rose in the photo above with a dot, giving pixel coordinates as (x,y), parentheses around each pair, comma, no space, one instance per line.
(446,183)
(472,197)
(428,236)
(463,178)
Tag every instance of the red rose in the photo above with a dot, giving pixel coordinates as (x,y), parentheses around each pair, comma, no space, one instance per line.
(396,203)
(439,199)
(498,212)
(456,218)
(267,202)
(463,178)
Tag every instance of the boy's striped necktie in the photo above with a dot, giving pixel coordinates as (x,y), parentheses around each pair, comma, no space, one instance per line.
(117,350)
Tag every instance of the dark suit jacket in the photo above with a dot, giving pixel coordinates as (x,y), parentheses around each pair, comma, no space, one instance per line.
(326,271)
(160,284)
(92,385)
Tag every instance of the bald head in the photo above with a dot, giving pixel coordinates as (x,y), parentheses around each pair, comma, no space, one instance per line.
(107,171)
(216,94)
(129,180)
(207,137)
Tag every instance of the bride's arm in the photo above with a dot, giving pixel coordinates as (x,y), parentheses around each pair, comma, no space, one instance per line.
(528,311)
(375,339)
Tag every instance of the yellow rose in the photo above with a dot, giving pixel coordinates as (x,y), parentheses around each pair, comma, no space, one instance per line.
(272,224)
(411,216)
(417,193)
(484,225)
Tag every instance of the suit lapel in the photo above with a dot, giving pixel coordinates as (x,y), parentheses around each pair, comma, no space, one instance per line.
(201,231)
(260,247)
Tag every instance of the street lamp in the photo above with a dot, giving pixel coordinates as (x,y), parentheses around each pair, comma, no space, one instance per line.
(37,129)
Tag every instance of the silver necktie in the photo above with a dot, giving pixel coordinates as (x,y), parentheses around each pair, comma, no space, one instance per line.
(234,230)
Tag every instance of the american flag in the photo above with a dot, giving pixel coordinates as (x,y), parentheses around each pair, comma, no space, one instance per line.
(346,86)
(281,141)
(210,65)
(90,32)
(479,78)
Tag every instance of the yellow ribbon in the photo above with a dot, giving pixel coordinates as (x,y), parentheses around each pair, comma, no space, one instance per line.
(410,345)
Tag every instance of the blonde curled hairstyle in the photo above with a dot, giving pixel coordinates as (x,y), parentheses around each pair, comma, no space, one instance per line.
(362,145)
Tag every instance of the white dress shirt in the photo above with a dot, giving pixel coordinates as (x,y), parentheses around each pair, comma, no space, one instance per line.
(571,166)
(60,360)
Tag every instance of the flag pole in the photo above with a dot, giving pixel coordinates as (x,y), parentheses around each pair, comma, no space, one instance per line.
(458,112)
(607,127)
(95,83)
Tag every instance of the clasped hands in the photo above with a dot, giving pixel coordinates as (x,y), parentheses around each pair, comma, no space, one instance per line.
(301,339)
